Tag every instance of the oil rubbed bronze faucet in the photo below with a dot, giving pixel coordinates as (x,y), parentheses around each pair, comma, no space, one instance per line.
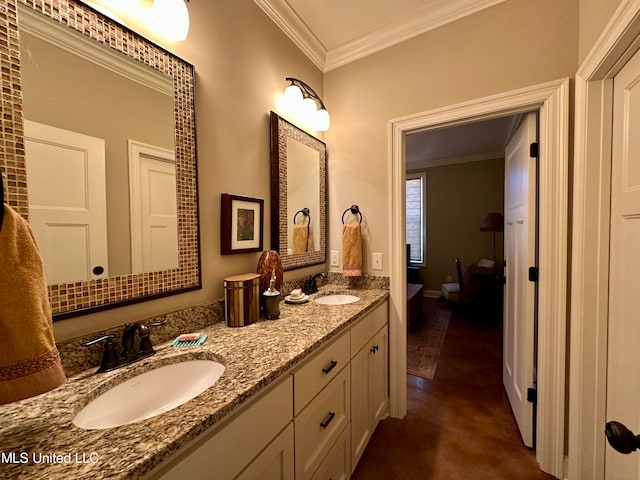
(111,359)
(311,285)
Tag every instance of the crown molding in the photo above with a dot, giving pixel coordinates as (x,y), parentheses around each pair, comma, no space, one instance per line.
(65,38)
(440,162)
(410,25)
(290,23)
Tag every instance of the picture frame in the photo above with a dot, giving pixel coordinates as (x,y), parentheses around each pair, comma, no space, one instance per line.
(241,224)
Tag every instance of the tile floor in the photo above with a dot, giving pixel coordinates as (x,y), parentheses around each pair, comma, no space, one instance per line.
(459,425)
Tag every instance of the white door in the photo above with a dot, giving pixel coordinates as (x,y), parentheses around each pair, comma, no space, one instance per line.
(154,214)
(623,367)
(519,292)
(67,201)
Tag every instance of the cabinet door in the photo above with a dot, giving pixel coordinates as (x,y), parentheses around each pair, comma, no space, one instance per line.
(360,425)
(369,391)
(275,462)
(379,377)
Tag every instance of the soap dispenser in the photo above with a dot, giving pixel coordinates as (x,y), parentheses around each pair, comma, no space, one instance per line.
(272,300)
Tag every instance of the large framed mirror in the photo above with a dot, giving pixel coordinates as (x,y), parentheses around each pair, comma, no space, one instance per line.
(298,195)
(101,156)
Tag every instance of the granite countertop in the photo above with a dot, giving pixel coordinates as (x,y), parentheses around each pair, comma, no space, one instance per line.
(39,440)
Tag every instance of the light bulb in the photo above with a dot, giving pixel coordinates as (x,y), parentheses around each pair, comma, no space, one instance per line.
(171,18)
(322,120)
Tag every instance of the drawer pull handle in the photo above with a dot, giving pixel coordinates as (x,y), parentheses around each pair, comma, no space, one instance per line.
(329,419)
(331,366)
(375,348)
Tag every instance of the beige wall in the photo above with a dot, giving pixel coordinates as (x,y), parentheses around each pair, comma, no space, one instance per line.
(241,59)
(511,45)
(594,16)
(458,198)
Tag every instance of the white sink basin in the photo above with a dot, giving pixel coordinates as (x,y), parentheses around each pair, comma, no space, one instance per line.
(149,394)
(337,299)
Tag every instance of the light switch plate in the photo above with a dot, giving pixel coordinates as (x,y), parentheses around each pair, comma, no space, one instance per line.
(335,258)
(376,260)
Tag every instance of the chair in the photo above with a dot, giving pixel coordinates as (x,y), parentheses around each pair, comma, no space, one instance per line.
(457,292)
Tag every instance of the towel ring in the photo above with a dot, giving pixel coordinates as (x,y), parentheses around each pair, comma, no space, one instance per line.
(355,210)
(305,212)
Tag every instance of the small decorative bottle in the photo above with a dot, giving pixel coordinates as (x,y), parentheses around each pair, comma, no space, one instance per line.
(272,300)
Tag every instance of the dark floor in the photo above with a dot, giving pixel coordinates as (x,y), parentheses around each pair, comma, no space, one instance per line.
(459,425)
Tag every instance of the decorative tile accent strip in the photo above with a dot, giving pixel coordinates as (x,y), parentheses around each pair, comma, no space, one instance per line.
(82,295)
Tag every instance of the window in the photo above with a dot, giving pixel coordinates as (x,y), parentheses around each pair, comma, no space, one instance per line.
(415,213)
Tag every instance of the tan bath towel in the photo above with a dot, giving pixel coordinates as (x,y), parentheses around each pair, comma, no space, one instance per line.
(29,360)
(302,239)
(351,250)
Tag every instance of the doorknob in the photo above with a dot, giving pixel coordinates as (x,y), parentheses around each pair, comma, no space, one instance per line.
(621,438)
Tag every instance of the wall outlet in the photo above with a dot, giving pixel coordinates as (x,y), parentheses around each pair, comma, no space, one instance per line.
(376,260)
(449,279)
(335,258)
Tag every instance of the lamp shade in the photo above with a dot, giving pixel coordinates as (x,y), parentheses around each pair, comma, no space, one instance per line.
(171,18)
(493,222)
(323,120)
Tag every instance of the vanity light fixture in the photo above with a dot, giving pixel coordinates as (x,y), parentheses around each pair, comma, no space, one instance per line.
(171,18)
(303,101)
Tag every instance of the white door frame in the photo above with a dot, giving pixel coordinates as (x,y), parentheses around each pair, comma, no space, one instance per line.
(552,101)
(590,240)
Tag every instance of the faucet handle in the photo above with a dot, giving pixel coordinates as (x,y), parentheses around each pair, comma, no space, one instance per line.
(146,348)
(110,357)
(157,324)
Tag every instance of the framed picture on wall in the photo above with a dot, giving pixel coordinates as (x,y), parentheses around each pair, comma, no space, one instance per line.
(241,224)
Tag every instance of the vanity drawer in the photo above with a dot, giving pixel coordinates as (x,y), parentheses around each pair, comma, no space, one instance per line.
(368,326)
(337,464)
(319,371)
(320,424)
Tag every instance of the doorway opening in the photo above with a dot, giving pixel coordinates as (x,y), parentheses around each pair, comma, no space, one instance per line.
(552,101)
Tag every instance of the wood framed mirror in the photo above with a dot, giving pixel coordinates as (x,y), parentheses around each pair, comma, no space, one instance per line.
(84,40)
(298,195)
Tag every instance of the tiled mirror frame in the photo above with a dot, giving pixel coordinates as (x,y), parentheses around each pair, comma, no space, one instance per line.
(280,130)
(79,298)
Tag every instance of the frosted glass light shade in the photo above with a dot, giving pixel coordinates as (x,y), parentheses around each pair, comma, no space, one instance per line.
(323,120)
(171,18)
(293,98)
(309,110)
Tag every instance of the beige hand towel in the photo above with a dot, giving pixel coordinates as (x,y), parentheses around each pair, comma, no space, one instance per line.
(351,250)
(29,360)
(302,239)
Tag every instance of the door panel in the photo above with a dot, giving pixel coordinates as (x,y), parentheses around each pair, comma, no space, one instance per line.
(623,372)
(67,201)
(519,295)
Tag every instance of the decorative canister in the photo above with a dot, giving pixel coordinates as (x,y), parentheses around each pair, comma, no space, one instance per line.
(242,299)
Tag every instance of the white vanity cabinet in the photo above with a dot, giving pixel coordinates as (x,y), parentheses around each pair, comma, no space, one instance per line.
(369,378)
(312,425)
(255,444)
